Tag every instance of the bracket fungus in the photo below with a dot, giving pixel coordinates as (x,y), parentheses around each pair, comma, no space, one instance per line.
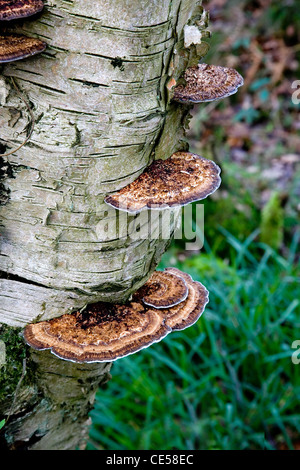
(189,311)
(15,9)
(207,83)
(182,178)
(17,47)
(163,290)
(106,332)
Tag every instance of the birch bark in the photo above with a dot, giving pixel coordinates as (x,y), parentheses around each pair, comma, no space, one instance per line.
(101,114)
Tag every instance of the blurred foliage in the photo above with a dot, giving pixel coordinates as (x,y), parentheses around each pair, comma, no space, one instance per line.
(279,17)
(228,382)
(271,226)
(254,136)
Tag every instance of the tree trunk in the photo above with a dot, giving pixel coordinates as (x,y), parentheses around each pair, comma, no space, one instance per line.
(102,113)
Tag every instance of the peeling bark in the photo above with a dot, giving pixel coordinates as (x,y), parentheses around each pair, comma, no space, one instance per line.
(101,115)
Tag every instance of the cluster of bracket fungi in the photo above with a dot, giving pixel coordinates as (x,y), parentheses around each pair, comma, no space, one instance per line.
(169,300)
(15,46)
(103,332)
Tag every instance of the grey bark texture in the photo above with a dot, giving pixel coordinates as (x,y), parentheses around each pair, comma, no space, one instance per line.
(101,114)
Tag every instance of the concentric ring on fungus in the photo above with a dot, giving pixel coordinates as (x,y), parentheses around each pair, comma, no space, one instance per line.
(163,290)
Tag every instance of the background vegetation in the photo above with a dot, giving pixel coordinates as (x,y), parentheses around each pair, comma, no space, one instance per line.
(228,382)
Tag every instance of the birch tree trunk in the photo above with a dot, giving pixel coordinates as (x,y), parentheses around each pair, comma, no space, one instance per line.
(101,115)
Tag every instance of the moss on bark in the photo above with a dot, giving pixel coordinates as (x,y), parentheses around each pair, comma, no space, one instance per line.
(11,365)
(44,401)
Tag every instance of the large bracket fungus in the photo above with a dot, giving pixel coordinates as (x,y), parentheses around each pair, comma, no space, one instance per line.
(17,47)
(106,332)
(15,9)
(205,83)
(177,181)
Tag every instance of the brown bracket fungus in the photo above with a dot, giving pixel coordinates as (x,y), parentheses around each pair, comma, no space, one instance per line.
(106,332)
(15,9)
(102,333)
(163,290)
(207,83)
(177,181)
(188,312)
(17,47)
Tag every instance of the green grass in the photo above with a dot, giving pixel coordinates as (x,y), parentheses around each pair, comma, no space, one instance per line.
(227,382)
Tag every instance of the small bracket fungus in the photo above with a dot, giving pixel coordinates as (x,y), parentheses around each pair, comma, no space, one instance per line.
(106,332)
(15,9)
(207,83)
(177,181)
(188,312)
(163,290)
(17,47)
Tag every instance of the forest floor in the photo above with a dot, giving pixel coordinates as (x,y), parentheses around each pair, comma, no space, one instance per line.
(229,382)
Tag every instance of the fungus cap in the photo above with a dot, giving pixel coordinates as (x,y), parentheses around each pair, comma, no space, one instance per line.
(177,181)
(17,47)
(207,83)
(102,333)
(107,332)
(15,9)
(188,312)
(163,290)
